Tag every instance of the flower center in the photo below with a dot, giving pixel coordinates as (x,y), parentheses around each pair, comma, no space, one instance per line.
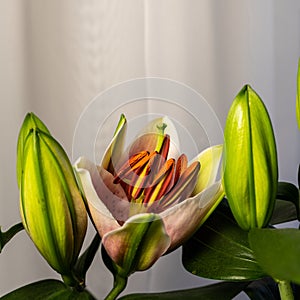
(155,181)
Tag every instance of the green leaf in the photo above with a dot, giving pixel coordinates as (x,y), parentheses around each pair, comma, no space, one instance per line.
(263,289)
(287,203)
(250,164)
(289,192)
(278,252)
(298,96)
(6,236)
(284,211)
(220,250)
(223,290)
(85,260)
(46,290)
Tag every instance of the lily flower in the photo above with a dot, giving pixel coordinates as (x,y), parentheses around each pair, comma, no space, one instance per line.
(147,200)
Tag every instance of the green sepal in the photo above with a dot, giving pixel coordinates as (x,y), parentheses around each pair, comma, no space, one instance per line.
(47,290)
(277,252)
(30,122)
(250,161)
(220,250)
(6,236)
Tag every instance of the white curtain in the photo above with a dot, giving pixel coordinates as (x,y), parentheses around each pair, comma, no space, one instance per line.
(56,56)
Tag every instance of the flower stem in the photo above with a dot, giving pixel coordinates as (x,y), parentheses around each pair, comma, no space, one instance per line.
(119,286)
(285,290)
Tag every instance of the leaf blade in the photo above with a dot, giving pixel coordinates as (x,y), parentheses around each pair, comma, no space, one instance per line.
(277,251)
(47,290)
(220,250)
(224,291)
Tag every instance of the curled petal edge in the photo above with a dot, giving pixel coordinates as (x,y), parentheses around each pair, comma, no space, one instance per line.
(209,159)
(90,182)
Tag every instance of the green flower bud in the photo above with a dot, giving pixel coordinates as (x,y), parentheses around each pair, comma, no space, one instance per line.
(250,170)
(51,205)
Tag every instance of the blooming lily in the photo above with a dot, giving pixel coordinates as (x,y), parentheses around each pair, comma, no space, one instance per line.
(148,200)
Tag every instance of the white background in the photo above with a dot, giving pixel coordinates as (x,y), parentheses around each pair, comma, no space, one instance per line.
(55,56)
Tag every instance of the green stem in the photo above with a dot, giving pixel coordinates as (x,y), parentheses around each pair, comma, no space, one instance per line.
(119,286)
(6,236)
(285,289)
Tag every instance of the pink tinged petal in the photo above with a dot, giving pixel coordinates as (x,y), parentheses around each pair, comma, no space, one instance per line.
(183,219)
(210,160)
(152,135)
(105,199)
(115,148)
(145,142)
(138,243)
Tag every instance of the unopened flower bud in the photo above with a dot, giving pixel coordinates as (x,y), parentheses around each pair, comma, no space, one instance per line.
(51,204)
(250,170)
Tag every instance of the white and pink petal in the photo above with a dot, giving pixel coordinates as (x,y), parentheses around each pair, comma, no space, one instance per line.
(138,243)
(106,206)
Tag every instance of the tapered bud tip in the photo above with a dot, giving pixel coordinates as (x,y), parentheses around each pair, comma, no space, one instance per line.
(31,122)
